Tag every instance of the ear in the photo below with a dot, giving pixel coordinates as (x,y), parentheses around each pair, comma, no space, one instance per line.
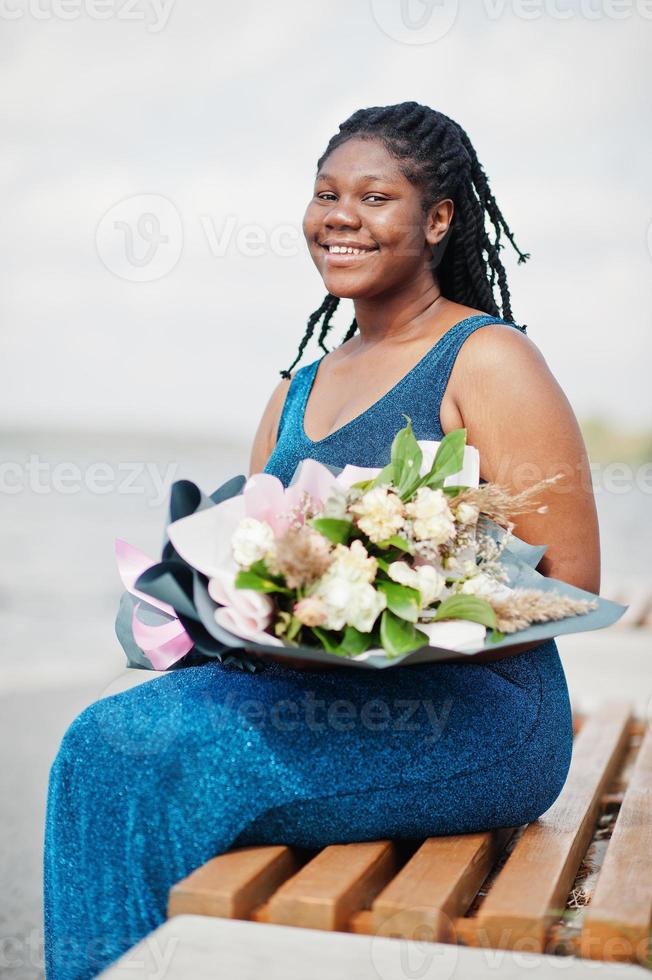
(438,221)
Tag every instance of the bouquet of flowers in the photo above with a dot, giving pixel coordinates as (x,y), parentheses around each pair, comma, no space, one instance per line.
(414,562)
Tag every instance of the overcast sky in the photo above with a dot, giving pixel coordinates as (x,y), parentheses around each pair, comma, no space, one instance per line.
(158,159)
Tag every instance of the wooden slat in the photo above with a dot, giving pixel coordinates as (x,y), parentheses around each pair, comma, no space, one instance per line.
(437,884)
(327,891)
(617,921)
(362,923)
(232,884)
(532,888)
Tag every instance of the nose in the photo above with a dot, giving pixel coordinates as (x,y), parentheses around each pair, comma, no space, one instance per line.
(342,215)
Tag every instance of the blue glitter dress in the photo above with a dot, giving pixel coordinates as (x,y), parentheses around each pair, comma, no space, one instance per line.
(149,784)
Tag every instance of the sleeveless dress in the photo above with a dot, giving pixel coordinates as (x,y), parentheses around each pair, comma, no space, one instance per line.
(151,783)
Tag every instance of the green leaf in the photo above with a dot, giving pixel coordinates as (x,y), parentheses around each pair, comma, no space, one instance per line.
(347,644)
(249,580)
(334,529)
(382,564)
(470,607)
(406,456)
(354,641)
(396,541)
(328,639)
(448,460)
(402,600)
(386,475)
(495,636)
(260,568)
(295,626)
(453,491)
(409,487)
(398,636)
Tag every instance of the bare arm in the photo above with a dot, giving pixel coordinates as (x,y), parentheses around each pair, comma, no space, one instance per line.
(265,438)
(520,420)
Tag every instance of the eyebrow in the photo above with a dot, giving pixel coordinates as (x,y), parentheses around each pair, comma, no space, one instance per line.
(325,176)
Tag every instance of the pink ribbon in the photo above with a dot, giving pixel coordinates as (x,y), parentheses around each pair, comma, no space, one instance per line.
(162,645)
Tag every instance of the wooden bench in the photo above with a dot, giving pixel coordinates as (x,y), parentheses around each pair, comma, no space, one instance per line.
(577,881)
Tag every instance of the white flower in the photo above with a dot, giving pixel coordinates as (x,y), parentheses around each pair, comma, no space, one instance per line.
(380,513)
(365,607)
(433,520)
(354,604)
(251,541)
(431,584)
(426,578)
(401,572)
(484,585)
(352,563)
(467,513)
(347,592)
(336,594)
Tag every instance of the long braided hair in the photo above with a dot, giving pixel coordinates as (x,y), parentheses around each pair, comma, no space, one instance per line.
(438,157)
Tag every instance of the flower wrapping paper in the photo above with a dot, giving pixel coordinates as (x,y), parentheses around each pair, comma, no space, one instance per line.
(181,613)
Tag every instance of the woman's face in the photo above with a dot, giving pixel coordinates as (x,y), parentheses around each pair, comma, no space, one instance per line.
(363,201)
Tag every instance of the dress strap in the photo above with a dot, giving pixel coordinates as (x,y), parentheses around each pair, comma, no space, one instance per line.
(295,398)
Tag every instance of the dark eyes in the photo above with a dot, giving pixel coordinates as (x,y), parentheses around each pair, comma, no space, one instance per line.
(328,195)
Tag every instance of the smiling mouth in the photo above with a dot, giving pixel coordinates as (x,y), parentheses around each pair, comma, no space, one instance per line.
(347,249)
(346,254)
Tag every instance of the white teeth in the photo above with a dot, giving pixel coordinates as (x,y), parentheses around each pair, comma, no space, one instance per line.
(345,249)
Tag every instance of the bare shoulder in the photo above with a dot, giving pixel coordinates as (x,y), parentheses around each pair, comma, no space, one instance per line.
(494,342)
(504,363)
(265,438)
(511,404)
(519,418)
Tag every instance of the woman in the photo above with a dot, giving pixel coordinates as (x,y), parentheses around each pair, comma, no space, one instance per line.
(151,783)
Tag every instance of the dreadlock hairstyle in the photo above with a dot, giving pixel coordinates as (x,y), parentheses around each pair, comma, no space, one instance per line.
(437,156)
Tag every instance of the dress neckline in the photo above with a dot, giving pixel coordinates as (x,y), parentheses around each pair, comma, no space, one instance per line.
(314,367)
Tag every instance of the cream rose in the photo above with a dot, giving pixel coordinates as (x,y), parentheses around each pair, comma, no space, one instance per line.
(431,515)
(380,513)
(426,578)
(251,541)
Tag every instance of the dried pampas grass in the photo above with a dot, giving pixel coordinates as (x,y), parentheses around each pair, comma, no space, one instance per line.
(302,556)
(526,606)
(500,504)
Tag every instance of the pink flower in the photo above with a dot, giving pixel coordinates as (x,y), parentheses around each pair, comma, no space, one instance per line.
(245,612)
